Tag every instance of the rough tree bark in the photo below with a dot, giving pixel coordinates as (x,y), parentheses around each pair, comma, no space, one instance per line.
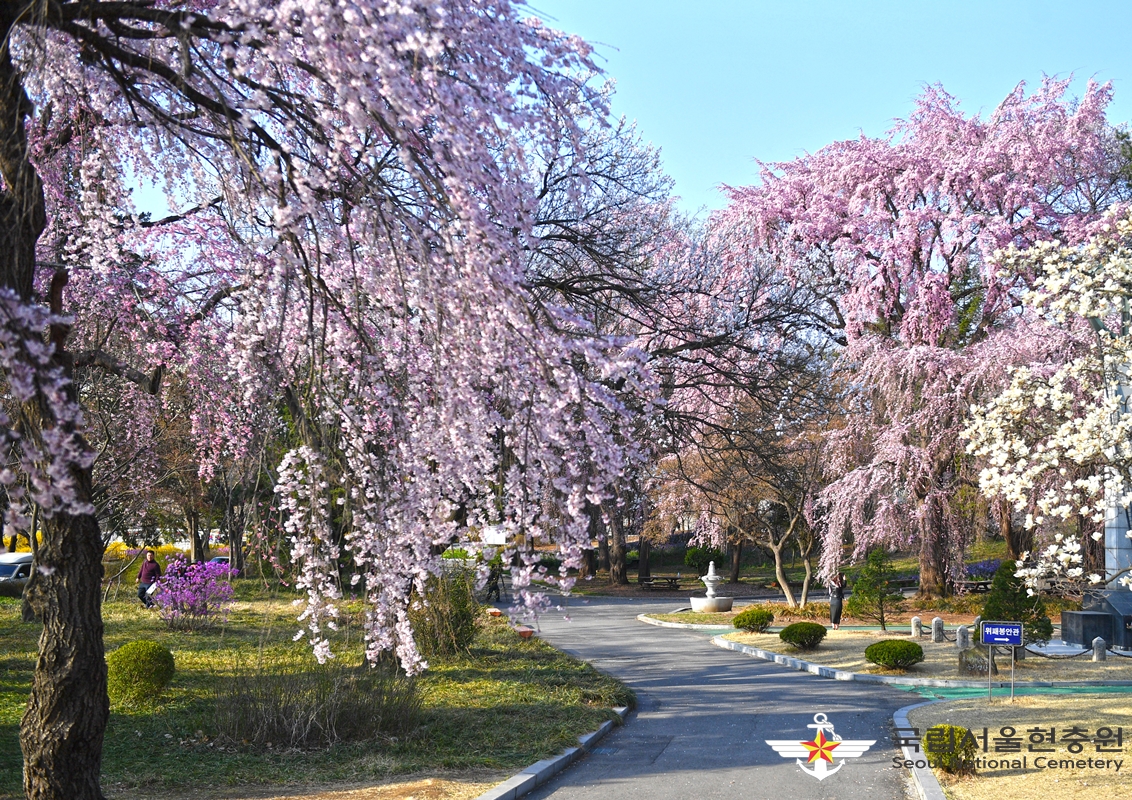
(198,543)
(933,552)
(1018,539)
(62,729)
(617,572)
(643,568)
(736,559)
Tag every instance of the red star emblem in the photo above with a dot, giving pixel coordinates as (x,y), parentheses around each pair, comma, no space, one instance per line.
(820,747)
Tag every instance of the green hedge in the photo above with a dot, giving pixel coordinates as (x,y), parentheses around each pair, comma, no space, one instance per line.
(803,635)
(138,671)
(894,653)
(951,748)
(755,619)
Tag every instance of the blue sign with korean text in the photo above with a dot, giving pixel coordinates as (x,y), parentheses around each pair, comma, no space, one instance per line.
(1005,633)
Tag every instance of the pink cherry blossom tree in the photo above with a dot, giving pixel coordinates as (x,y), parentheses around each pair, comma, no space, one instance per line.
(353,217)
(895,235)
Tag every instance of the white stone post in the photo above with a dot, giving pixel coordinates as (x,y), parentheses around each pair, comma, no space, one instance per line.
(937,629)
(1100,650)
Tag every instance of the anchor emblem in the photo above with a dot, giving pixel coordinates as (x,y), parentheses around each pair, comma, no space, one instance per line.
(822,749)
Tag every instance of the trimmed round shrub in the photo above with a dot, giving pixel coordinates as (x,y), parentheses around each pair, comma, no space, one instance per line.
(138,671)
(803,635)
(754,619)
(951,748)
(894,653)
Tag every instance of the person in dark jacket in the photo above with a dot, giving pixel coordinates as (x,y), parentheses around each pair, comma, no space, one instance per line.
(148,574)
(836,596)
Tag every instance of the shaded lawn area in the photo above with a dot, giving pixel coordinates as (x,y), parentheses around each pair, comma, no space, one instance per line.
(507,703)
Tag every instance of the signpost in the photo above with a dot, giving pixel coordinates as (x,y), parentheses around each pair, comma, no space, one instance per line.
(1008,634)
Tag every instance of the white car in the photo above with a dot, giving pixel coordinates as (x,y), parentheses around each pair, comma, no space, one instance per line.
(15,566)
(15,569)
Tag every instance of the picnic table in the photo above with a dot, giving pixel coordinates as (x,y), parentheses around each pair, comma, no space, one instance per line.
(660,582)
(974,587)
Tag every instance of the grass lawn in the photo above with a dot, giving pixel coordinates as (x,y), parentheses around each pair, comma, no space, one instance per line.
(504,705)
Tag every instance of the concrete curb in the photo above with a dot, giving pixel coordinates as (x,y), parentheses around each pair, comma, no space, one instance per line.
(691,626)
(541,771)
(927,787)
(893,680)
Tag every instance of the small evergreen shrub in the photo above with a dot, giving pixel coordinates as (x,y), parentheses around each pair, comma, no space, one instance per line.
(138,671)
(894,653)
(755,619)
(875,593)
(550,563)
(951,748)
(803,635)
(698,558)
(446,619)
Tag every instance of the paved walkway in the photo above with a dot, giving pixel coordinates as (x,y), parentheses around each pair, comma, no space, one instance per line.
(703,714)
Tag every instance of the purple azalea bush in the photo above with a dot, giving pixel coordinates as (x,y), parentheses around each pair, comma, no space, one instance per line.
(194,596)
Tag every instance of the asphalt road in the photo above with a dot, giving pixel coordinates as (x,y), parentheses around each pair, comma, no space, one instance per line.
(703,715)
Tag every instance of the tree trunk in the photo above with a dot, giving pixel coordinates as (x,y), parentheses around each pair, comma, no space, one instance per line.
(617,572)
(1018,539)
(780,573)
(597,531)
(806,581)
(603,552)
(1092,550)
(736,559)
(933,554)
(236,548)
(198,544)
(62,729)
(644,548)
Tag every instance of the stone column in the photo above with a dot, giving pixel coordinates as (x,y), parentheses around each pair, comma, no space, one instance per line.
(937,629)
(917,628)
(963,637)
(1117,545)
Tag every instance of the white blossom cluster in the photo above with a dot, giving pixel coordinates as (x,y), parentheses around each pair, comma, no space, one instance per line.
(1061,562)
(1058,434)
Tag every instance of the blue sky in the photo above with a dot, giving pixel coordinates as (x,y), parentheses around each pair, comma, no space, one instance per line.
(718,84)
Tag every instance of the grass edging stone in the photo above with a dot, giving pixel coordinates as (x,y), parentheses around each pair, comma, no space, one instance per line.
(542,771)
(927,786)
(691,626)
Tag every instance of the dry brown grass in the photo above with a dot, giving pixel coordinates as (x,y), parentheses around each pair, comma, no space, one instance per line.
(436,786)
(1089,711)
(842,649)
